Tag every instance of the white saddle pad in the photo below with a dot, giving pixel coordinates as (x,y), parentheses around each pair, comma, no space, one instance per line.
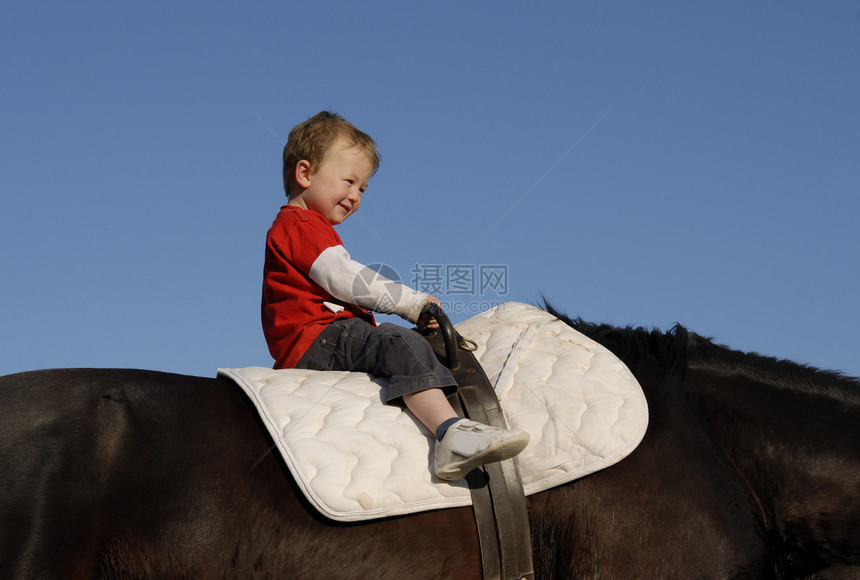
(356,458)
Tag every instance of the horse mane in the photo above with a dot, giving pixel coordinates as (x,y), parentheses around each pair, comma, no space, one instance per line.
(680,349)
(705,353)
(636,346)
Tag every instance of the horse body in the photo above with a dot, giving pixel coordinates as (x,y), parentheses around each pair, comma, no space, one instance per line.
(122,473)
(145,474)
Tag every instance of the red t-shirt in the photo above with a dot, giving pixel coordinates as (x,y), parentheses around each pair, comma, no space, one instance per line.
(293,309)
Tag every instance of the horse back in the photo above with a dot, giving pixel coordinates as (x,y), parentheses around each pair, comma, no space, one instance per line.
(141,474)
(78,457)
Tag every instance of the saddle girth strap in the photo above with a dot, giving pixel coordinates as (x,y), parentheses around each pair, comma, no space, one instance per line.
(498,500)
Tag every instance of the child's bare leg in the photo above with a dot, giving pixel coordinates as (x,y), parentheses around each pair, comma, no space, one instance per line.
(431,407)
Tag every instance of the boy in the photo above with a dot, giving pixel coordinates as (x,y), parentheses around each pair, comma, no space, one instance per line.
(315,317)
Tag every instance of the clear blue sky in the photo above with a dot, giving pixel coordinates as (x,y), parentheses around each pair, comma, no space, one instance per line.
(639,163)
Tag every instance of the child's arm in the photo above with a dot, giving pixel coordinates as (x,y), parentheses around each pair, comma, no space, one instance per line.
(353,282)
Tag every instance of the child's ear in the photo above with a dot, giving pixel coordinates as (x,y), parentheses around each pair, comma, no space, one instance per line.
(303,173)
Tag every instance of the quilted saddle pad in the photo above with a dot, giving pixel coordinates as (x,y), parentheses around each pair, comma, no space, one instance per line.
(357,459)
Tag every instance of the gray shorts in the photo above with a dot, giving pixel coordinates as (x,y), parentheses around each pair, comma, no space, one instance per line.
(399,354)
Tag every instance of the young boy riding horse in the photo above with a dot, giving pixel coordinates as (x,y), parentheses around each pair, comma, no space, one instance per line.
(315,316)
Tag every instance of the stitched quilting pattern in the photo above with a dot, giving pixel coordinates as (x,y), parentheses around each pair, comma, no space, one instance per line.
(356,458)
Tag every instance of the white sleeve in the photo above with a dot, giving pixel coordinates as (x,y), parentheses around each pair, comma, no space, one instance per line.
(352,282)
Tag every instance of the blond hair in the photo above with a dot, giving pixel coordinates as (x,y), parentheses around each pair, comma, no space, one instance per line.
(311,140)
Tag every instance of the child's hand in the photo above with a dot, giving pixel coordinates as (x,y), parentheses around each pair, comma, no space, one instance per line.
(426,321)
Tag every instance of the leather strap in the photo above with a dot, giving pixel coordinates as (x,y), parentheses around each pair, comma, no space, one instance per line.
(498,499)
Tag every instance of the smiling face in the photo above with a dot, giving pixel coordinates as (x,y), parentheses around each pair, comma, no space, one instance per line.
(334,188)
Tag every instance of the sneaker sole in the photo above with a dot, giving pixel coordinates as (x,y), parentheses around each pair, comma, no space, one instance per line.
(500,452)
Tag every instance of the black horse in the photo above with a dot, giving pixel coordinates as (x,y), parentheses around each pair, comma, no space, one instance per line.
(750,468)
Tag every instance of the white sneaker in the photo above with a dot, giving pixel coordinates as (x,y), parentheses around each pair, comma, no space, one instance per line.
(469,444)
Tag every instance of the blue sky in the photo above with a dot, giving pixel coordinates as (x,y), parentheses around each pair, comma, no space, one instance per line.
(637,163)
